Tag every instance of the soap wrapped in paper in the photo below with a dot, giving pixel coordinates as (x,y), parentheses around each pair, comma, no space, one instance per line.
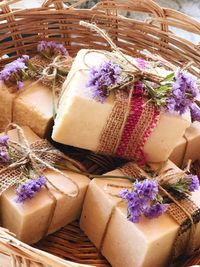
(50,209)
(107,128)
(149,242)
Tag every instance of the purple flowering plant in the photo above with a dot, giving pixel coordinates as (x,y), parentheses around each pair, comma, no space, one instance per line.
(176,93)
(143,199)
(51,49)
(4,149)
(186,184)
(28,189)
(105,78)
(16,72)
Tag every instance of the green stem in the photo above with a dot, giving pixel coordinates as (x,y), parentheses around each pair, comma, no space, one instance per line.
(91,176)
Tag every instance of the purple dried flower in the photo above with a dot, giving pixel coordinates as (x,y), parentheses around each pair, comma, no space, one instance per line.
(141,63)
(140,198)
(193,182)
(20,84)
(4,156)
(155,210)
(29,189)
(102,77)
(195,112)
(184,91)
(13,71)
(50,49)
(147,189)
(4,140)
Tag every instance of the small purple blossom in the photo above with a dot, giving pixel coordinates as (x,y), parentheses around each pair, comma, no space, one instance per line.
(102,77)
(4,140)
(155,210)
(195,112)
(147,189)
(140,198)
(193,182)
(184,91)
(51,48)
(13,72)
(28,189)
(141,63)
(20,84)
(4,156)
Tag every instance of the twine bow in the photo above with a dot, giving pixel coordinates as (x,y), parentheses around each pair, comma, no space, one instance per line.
(59,63)
(38,156)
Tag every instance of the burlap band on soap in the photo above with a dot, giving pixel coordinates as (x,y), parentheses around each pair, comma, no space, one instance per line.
(13,175)
(129,125)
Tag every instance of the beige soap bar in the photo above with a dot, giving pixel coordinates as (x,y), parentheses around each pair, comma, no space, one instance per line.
(144,244)
(30,220)
(80,120)
(33,107)
(192,136)
(188,147)
(178,153)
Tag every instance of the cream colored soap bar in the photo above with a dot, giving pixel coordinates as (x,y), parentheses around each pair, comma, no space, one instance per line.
(32,107)
(178,153)
(144,244)
(80,119)
(34,218)
(188,147)
(192,136)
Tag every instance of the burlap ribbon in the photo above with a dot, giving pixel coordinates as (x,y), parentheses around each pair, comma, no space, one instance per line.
(184,211)
(39,156)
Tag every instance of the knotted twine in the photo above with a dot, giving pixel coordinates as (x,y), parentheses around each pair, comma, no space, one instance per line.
(38,156)
(184,211)
(52,74)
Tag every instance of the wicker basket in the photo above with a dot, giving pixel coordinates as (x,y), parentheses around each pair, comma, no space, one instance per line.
(20,31)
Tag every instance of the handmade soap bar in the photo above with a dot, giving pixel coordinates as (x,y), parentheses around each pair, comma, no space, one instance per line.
(187,147)
(178,153)
(192,135)
(49,210)
(81,120)
(32,106)
(144,244)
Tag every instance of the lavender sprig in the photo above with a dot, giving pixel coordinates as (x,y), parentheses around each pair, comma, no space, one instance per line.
(15,72)
(186,184)
(143,199)
(102,78)
(28,189)
(51,49)
(184,91)
(4,149)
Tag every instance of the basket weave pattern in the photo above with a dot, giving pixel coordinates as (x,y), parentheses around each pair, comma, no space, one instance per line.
(20,31)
